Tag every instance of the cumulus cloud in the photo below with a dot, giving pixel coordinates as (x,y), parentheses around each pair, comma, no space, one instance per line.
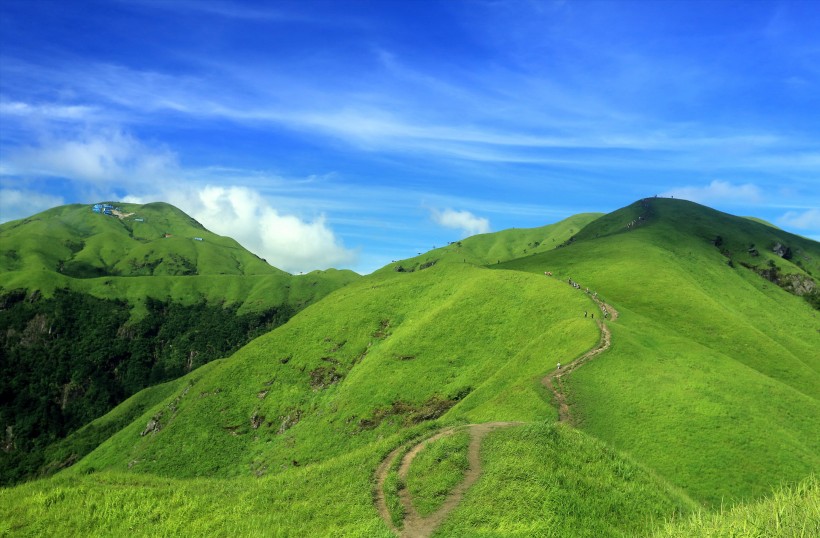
(16,204)
(285,241)
(465,221)
(101,157)
(719,191)
(805,220)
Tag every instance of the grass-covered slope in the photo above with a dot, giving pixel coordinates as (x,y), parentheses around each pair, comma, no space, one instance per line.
(550,480)
(711,383)
(376,357)
(786,513)
(539,480)
(95,307)
(152,250)
(151,239)
(713,378)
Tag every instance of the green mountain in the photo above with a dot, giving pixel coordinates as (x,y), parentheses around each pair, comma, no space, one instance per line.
(426,398)
(97,305)
(153,245)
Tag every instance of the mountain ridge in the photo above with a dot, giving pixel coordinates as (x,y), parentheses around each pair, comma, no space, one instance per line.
(710,381)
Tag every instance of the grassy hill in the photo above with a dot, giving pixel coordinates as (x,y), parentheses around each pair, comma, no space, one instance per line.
(708,394)
(153,245)
(95,307)
(714,373)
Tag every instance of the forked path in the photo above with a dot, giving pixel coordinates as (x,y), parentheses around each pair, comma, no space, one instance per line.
(416,526)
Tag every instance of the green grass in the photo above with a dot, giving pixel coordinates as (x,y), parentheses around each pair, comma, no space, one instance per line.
(713,376)
(112,258)
(550,480)
(393,484)
(787,513)
(711,383)
(335,377)
(332,498)
(436,470)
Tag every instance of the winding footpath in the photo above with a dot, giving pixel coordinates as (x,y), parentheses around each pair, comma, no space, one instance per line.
(554,380)
(416,526)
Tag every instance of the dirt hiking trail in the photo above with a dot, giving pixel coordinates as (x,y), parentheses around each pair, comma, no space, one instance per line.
(416,526)
(554,380)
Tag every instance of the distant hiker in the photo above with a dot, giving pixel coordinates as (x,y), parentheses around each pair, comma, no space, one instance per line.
(559,366)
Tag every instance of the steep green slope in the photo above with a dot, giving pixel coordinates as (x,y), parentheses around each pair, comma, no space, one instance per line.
(378,356)
(95,307)
(713,378)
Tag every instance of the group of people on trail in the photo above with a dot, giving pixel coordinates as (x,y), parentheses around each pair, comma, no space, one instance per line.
(588,292)
(634,223)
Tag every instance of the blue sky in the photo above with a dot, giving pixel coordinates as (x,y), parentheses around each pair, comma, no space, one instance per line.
(349,134)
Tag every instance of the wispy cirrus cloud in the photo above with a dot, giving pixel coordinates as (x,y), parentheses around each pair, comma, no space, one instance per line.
(19,203)
(108,156)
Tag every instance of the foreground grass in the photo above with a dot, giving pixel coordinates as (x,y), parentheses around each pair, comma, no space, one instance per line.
(551,480)
(436,470)
(788,513)
(332,498)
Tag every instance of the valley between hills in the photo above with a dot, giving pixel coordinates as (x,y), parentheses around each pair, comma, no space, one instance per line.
(424,399)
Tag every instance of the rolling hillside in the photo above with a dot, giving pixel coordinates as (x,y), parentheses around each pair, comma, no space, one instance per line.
(95,307)
(714,374)
(704,391)
(149,247)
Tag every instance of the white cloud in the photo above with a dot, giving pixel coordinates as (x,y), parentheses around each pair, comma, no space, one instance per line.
(47,111)
(17,204)
(102,157)
(718,191)
(465,221)
(806,220)
(285,241)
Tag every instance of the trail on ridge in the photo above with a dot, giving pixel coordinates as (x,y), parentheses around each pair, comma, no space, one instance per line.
(416,526)
(554,380)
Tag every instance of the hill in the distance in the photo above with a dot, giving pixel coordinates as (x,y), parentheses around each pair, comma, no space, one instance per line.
(702,390)
(98,302)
